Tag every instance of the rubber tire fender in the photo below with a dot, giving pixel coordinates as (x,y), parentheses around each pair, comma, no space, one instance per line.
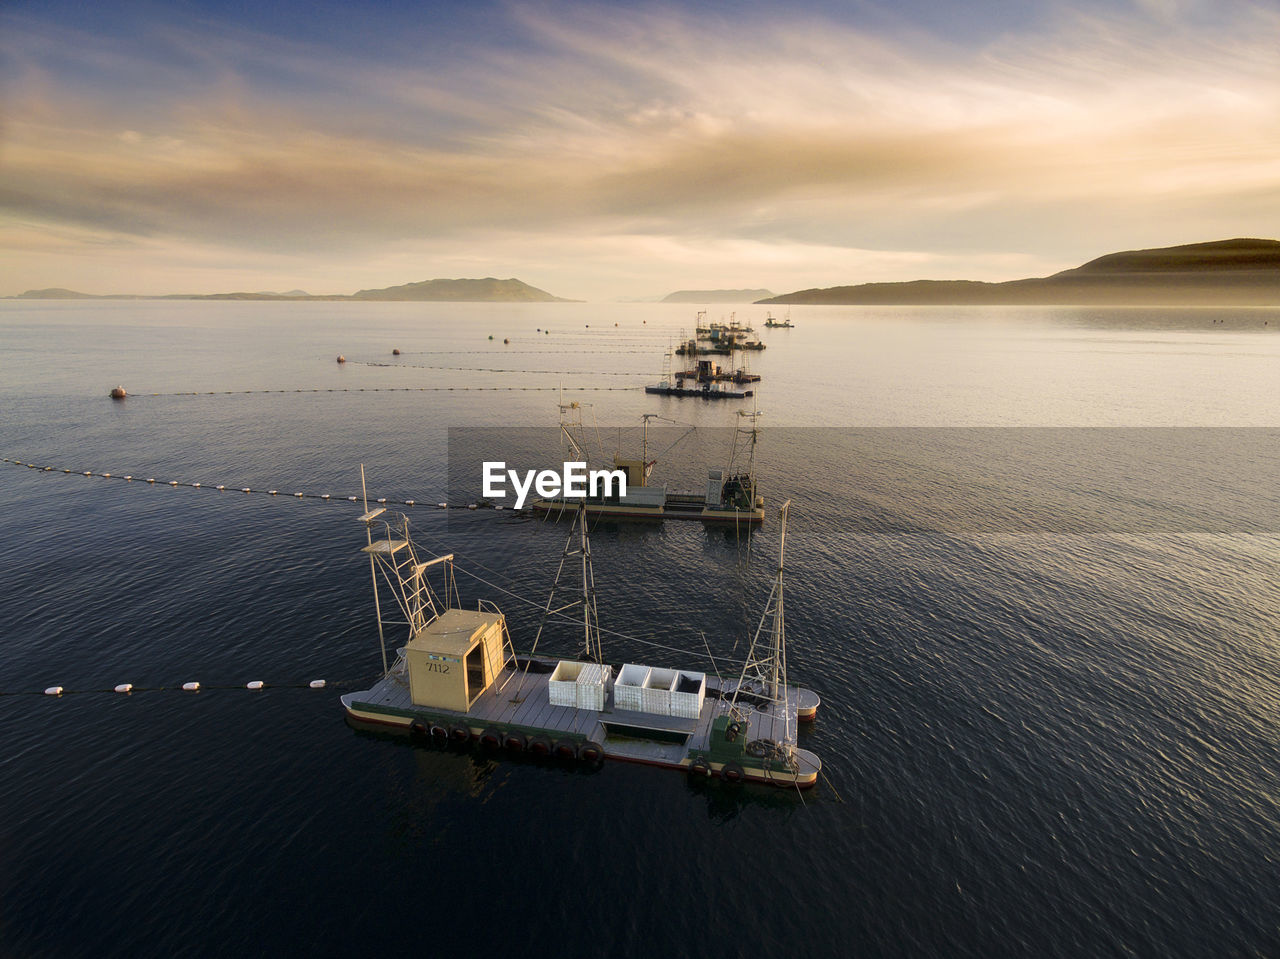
(591,753)
(514,742)
(732,773)
(459,733)
(491,739)
(540,746)
(418,729)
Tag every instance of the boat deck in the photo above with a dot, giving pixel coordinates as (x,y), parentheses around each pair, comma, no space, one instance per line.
(522,699)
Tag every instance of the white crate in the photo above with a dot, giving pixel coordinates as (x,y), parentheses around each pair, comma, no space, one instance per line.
(626,688)
(687,694)
(562,687)
(590,686)
(655,695)
(590,696)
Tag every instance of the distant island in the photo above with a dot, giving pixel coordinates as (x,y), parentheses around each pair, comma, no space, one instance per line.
(1240,272)
(487,290)
(716,296)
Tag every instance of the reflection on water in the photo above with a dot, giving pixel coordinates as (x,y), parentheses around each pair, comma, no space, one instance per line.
(1045,655)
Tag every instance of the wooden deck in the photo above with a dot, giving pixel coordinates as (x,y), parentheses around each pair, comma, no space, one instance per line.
(521,699)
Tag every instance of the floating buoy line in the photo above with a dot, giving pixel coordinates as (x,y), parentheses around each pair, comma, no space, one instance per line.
(516,352)
(491,369)
(405,389)
(223,488)
(126,689)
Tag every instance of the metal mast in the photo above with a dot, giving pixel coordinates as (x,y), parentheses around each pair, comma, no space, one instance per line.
(368,519)
(590,622)
(768,666)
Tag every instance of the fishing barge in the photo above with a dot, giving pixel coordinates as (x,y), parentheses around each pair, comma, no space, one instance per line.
(707,391)
(457,680)
(708,372)
(730,496)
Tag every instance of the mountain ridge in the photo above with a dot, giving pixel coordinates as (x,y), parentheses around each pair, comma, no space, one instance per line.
(486,290)
(716,296)
(1238,272)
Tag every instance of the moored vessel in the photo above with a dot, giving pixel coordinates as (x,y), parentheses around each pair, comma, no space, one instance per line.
(458,680)
(730,496)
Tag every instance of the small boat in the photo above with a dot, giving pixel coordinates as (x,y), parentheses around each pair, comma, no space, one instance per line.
(776,325)
(458,680)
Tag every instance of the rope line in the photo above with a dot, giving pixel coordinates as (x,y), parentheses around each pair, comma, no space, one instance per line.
(490,369)
(408,389)
(152,481)
(510,352)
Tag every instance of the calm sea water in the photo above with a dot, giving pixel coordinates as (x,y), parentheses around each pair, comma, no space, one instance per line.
(1035,575)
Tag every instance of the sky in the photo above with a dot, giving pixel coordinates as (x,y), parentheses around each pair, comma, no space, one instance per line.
(603,151)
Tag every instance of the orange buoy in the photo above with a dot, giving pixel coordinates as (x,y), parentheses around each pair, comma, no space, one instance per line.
(341,358)
(119,393)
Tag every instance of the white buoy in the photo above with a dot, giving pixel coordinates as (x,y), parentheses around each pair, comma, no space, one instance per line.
(173,482)
(191,687)
(129,477)
(382,500)
(151,479)
(246,490)
(299,495)
(256,684)
(106,476)
(442,505)
(53,691)
(195,485)
(273,492)
(220,486)
(408,502)
(324,495)
(314,684)
(472,506)
(125,688)
(351,499)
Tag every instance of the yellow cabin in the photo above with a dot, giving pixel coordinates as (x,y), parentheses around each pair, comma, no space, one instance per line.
(455,658)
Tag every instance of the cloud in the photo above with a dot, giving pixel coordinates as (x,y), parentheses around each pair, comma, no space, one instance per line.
(654,130)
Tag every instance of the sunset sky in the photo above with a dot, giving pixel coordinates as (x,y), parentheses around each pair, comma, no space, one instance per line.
(603,150)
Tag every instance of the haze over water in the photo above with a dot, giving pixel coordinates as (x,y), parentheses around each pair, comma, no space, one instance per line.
(1047,651)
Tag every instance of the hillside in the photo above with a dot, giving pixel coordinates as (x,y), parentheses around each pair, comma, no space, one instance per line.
(1240,272)
(487,290)
(716,296)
